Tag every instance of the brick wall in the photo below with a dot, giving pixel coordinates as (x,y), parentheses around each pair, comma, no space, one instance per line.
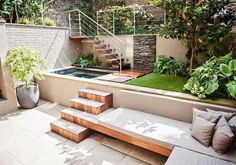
(144,52)
(53,43)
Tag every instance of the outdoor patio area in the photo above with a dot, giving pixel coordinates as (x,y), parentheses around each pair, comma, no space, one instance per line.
(26,139)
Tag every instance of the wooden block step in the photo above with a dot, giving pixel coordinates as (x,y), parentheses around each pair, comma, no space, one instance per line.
(86,105)
(70,130)
(97,95)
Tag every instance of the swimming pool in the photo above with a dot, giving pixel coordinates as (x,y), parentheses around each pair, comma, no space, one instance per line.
(83,73)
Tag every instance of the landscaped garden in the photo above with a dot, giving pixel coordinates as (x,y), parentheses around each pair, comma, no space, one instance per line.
(118,83)
(211,70)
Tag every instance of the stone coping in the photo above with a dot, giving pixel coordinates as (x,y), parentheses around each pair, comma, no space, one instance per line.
(186,96)
(35,26)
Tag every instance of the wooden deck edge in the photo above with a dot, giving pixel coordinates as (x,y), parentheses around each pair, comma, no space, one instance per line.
(119,135)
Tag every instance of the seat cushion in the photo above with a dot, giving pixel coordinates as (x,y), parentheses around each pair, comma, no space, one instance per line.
(193,158)
(162,131)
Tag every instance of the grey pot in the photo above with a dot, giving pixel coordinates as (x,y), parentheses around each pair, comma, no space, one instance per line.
(28,97)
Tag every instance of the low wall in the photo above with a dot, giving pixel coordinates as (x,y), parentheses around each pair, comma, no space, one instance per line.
(52,42)
(60,89)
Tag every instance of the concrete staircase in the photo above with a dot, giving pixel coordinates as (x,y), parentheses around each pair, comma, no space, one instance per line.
(89,101)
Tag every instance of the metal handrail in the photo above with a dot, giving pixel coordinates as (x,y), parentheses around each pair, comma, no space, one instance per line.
(97,26)
(70,11)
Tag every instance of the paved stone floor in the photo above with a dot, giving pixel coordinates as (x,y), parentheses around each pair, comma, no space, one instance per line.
(26,139)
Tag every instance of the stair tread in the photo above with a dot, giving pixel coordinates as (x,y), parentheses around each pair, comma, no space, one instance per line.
(96,92)
(87,102)
(69,126)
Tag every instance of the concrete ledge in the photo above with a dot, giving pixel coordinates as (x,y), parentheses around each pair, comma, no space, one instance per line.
(185,96)
(34,26)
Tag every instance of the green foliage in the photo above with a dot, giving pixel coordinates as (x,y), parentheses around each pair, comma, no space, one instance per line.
(85,60)
(216,77)
(49,22)
(200,24)
(123,19)
(24,21)
(33,10)
(169,65)
(25,64)
(229,73)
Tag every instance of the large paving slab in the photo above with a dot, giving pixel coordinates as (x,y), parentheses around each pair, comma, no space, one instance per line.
(26,139)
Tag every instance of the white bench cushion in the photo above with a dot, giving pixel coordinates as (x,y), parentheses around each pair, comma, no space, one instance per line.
(186,157)
(159,130)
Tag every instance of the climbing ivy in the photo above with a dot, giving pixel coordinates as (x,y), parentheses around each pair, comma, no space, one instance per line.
(124,19)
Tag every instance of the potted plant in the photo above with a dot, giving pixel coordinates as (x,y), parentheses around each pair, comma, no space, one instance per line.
(25,63)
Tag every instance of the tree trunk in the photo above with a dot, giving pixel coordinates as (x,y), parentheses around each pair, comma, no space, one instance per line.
(191,59)
(16,10)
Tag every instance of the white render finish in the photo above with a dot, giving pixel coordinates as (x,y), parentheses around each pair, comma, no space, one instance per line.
(6,81)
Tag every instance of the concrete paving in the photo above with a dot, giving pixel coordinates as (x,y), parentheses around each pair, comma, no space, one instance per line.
(26,139)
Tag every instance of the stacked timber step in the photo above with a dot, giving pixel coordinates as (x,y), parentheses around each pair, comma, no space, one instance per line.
(89,101)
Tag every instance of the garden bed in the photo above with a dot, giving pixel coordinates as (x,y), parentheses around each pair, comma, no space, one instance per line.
(160,81)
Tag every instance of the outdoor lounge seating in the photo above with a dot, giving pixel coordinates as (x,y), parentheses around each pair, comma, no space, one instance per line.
(193,158)
(160,131)
(150,131)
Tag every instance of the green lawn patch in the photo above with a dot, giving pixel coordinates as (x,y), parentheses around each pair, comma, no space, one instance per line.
(160,81)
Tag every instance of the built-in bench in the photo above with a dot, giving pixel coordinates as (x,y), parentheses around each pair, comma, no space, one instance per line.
(160,124)
(155,133)
(181,156)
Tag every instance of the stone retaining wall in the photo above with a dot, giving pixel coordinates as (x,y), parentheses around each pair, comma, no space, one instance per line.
(52,42)
(144,52)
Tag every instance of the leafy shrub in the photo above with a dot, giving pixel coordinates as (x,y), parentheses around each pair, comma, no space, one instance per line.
(49,22)
(24,20)
(229,73)
(38,21)
(85,60)
(25,64)
(215,77)
(169,65)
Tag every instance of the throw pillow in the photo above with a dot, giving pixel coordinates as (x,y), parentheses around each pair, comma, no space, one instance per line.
(211,117)
(226,115)
(232,124)
(223,137)
(203,130)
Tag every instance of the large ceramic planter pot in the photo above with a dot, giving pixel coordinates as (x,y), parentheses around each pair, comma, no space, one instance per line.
(28,97)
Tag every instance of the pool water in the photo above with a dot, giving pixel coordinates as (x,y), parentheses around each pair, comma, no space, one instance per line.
(81,73)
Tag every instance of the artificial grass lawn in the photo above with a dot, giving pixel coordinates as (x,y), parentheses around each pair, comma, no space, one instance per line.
(160,81)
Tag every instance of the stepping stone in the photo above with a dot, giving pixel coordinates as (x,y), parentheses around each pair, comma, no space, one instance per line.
(70,130)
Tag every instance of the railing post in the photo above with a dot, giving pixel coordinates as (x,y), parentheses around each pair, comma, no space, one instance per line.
(120,63)
(164,17)
(70,29)
(97,23)
(134,21)
(113,23)
(80,30)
